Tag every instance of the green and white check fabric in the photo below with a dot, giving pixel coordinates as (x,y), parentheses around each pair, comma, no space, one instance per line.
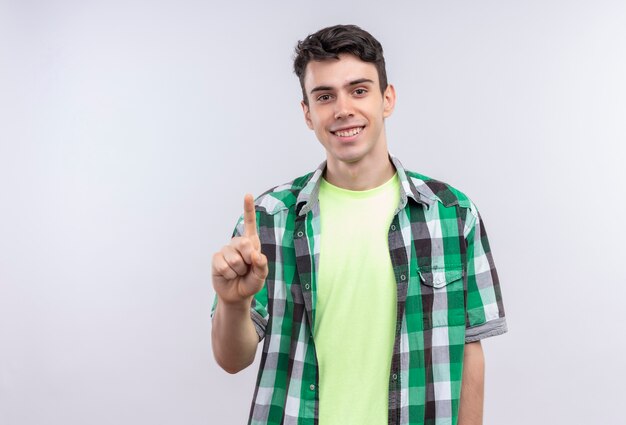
(448,294)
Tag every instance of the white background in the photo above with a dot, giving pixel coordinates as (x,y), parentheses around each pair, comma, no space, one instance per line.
(129,132)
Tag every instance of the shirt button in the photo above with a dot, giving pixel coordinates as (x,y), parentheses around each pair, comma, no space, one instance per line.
(300,234)
(402,277)
(312,387)
(393,227)
(307,286)
(394,376)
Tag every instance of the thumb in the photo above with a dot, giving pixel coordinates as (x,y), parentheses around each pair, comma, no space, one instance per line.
(259,265)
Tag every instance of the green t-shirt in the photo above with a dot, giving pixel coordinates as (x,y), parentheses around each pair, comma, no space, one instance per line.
(355,315)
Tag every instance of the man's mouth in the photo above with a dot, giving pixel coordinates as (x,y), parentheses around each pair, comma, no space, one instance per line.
(348,132)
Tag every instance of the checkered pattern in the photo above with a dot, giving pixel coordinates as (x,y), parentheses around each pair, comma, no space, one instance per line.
(448,294)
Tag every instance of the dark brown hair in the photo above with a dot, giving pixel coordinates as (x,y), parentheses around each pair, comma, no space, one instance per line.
(329,42)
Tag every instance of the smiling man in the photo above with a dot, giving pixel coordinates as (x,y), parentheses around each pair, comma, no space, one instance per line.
(370,286)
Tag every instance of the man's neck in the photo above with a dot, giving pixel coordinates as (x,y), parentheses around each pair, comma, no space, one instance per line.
(361,175)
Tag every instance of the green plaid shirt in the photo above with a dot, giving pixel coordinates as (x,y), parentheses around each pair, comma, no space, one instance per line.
(447,294)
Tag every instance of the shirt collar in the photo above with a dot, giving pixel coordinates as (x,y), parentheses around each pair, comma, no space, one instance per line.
(307,198)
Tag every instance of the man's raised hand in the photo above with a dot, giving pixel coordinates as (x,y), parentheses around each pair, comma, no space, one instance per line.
(239,268)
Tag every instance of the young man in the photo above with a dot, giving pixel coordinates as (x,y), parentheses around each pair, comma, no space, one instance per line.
(371,286)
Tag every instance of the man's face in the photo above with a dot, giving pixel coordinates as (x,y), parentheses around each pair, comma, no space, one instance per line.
(346,109)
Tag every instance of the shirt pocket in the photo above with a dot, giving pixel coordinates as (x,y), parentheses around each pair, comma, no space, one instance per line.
(443,296)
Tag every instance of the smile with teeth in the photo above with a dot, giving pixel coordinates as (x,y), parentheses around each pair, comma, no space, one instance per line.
(349,132)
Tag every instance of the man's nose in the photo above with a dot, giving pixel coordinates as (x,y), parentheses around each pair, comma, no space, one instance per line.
(343,107)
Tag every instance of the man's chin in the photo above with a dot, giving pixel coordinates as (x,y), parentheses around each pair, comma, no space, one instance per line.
(348,159)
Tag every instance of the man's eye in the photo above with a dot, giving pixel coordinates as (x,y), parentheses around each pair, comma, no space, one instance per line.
(324,98)
(360,92)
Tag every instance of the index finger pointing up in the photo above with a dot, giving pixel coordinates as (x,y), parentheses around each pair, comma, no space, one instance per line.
(249,216)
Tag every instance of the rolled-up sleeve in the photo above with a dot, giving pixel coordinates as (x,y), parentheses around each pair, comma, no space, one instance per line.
(485,311)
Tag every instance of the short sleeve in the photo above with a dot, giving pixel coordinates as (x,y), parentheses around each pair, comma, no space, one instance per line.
(485,310)
(258,308)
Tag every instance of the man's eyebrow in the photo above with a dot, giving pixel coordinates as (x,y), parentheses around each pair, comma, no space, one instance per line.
(321,88)
(360,81)
(351,83)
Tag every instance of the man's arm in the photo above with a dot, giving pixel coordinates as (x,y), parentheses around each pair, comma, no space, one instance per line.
(472,385)
(239,271)
(233,336)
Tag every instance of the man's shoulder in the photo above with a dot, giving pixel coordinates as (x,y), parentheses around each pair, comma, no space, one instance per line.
(283,196)
(439,191)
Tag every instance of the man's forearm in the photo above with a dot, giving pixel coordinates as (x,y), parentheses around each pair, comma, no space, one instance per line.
(473,385)
(233,337)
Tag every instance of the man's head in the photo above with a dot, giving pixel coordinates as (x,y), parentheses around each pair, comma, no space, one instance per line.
(346,97)
(328,43)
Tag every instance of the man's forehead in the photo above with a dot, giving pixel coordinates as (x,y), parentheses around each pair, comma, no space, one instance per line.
(339,72)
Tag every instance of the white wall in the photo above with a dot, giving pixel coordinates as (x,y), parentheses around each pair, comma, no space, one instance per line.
(129,132)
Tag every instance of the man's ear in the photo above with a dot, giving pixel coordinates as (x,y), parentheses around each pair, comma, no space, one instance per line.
(389,100)
(307,114)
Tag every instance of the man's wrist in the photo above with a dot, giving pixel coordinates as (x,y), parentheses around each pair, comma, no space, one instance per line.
(235,306)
